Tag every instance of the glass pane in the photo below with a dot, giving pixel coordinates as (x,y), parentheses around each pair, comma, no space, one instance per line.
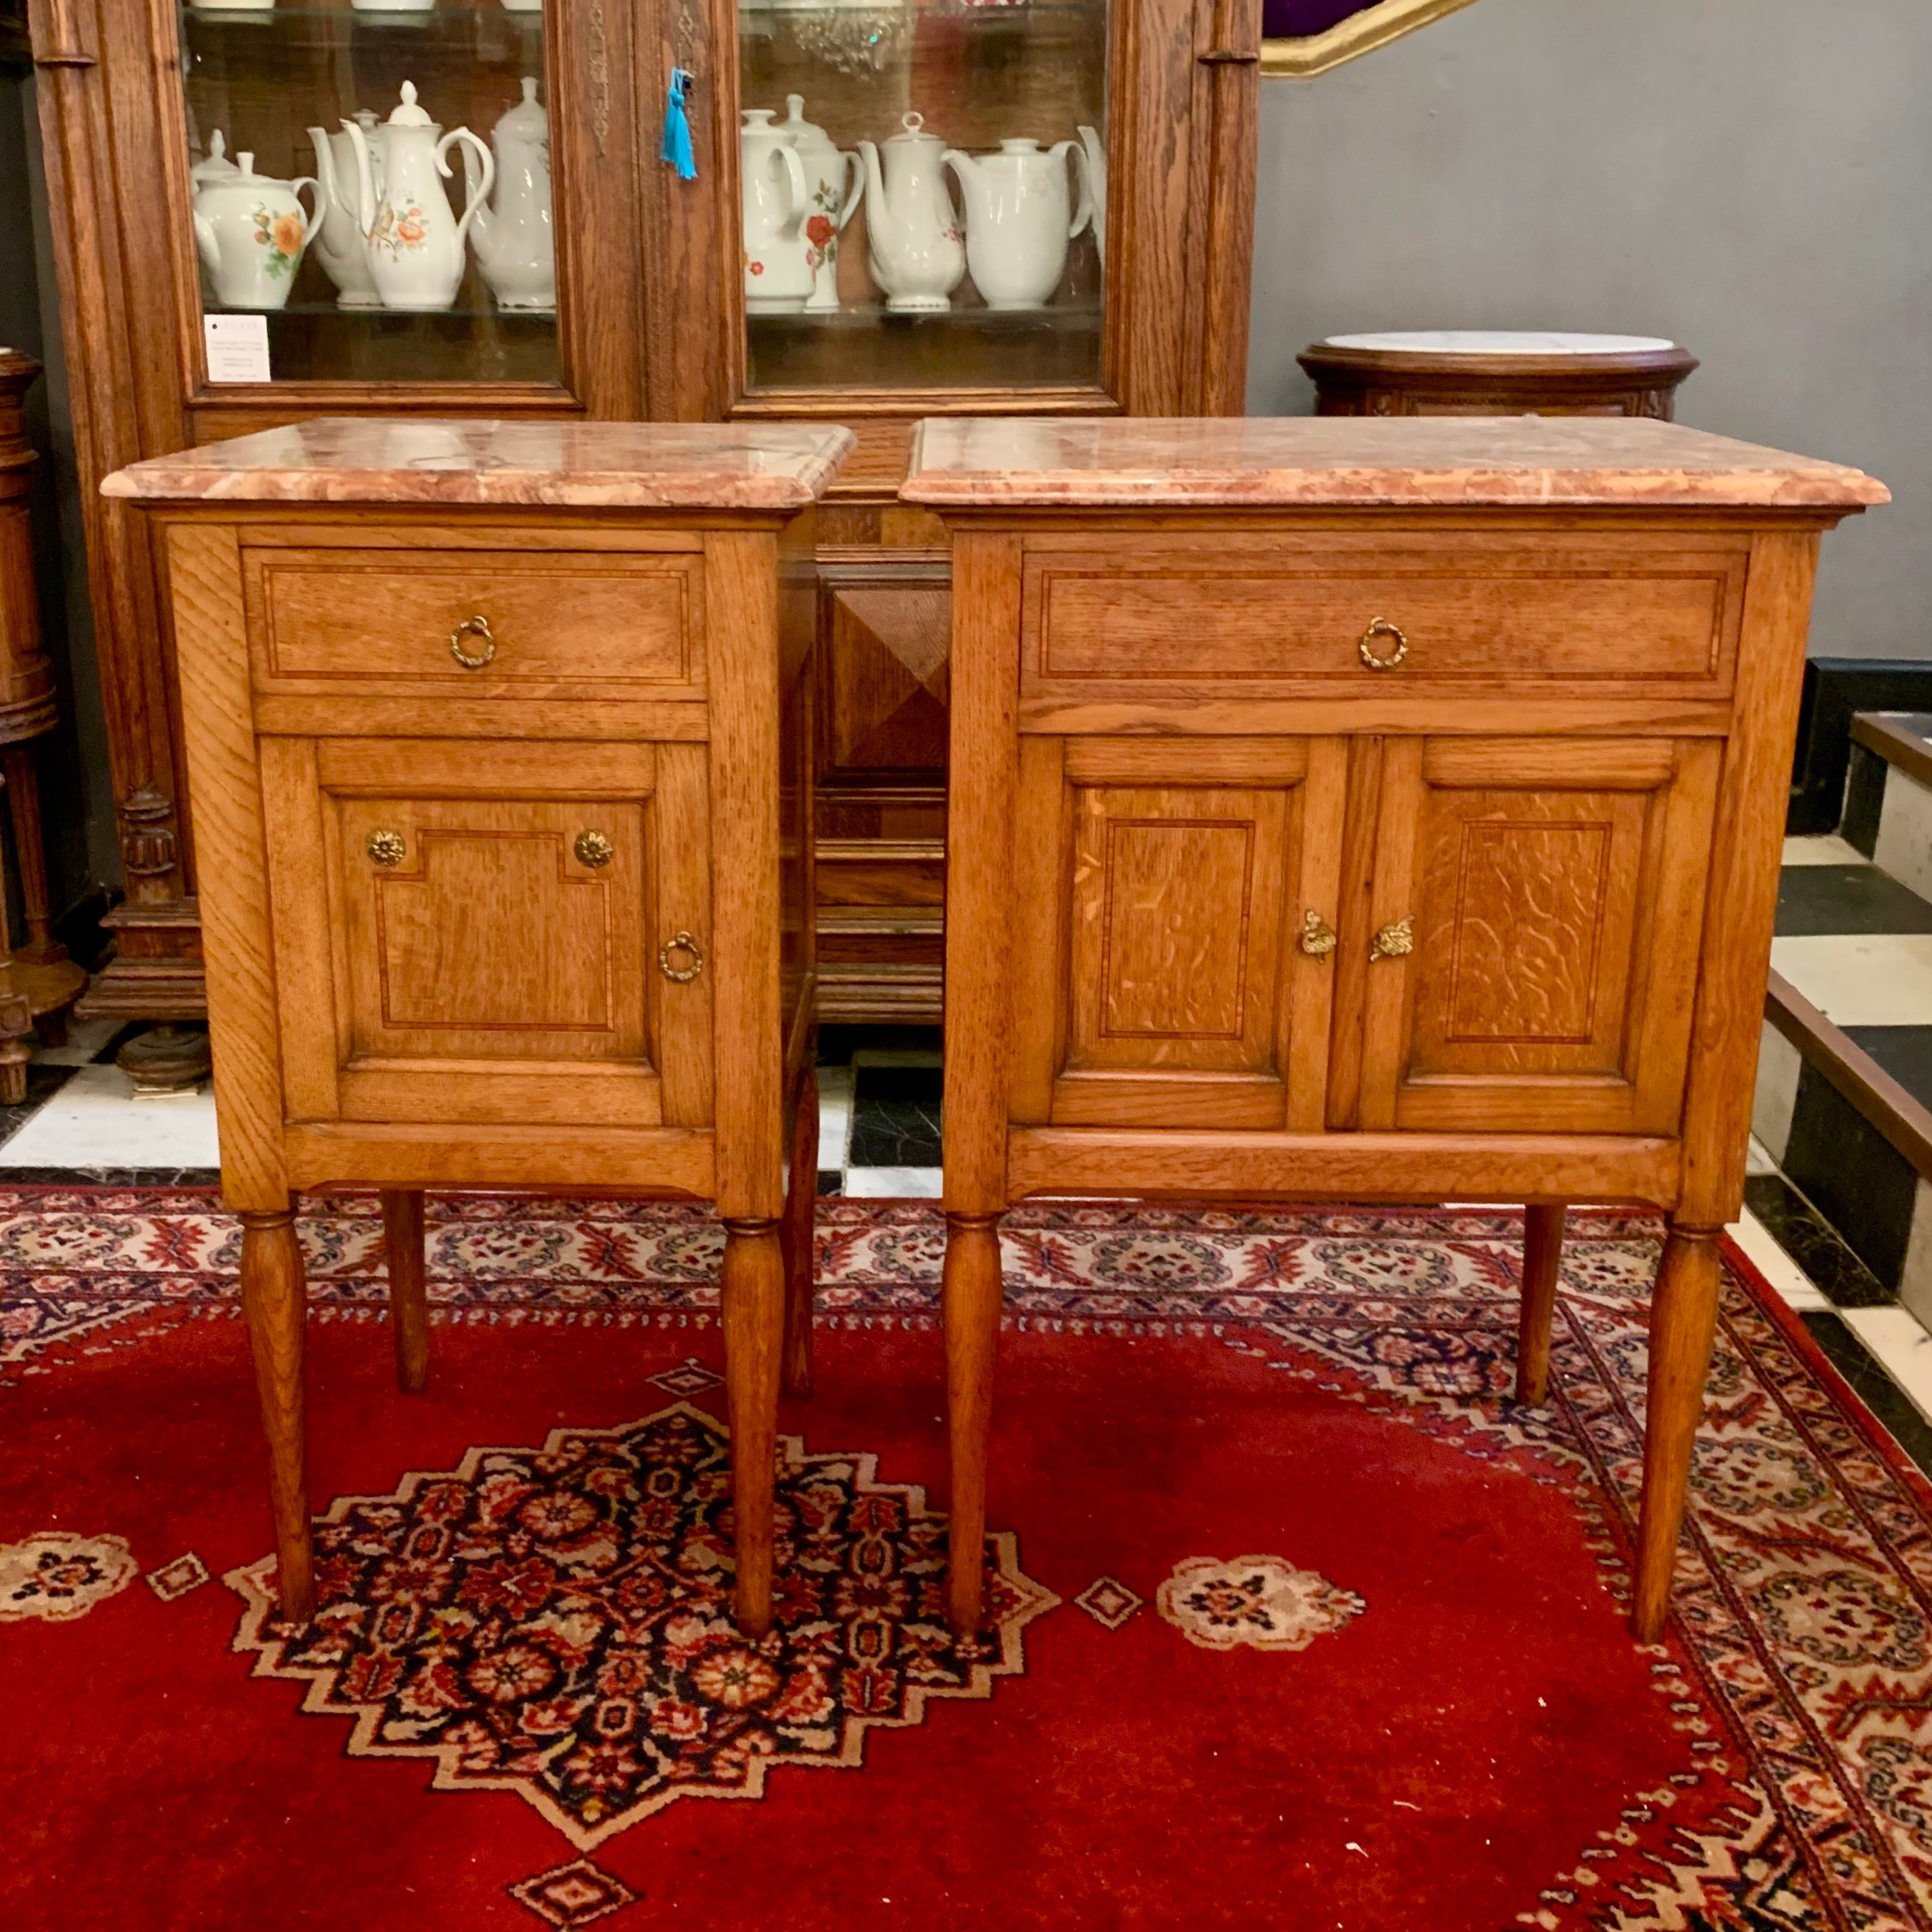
(958,143)
(413,302)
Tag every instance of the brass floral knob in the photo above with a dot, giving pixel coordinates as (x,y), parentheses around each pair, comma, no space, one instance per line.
(472,627)
(386,846)
(1396,940)
(1317,936)
(1380,629)
(593,849)
(680,942)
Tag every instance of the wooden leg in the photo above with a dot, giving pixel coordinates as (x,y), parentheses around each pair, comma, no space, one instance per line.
(408,1286)
(970,1291)
(801,1210)
(1683,1322)
(23,797)
(1542,1257)
(274,1299)
(754,1291)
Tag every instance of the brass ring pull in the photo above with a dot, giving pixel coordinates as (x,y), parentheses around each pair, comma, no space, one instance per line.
(593,849)
(1317,936)
(1382,628)
(1396,940)
(680,942)
(387,847)
(472,627)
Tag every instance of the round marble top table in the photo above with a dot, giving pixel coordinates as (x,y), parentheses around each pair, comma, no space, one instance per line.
(1496,372)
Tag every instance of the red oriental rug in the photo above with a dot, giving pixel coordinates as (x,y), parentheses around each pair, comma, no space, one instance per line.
(1296,1622)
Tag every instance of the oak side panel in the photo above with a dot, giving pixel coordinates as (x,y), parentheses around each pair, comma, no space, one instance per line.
(1741,900)
(1043,835)
(680,902)
(205,571)
(979,874)
(741,599)
(307,928)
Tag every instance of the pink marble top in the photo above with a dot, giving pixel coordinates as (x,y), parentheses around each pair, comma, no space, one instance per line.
(989,463)
(419,460)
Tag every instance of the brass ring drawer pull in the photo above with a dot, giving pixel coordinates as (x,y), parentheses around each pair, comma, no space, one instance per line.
(680,942)
(1317,936)
(593,849)
(387,847)
(1396,940)
(1381,628)
(472,627)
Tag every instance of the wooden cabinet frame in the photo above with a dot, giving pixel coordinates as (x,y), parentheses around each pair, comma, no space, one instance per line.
(651,322)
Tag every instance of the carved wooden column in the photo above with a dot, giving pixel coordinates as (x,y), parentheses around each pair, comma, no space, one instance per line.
(39,982)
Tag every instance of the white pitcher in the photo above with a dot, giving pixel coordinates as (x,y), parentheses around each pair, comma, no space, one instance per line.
(413,244)
(916,256)
(1019,219)
(835,181)
(1095,149)
(251,232)
(338,243)
(214,167)
(778,278)
(515,246)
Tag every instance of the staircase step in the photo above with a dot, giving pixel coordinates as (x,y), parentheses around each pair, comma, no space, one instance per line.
(1889,795)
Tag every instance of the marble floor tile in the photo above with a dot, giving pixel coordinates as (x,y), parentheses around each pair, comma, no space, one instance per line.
(1828,850)
(1861,979)
(1777,1266)
(896,1116)
(894,1183)
(85,1039)
(834,1116)
(1904,1052)
(1813,1244)
(1853,1360)
(1902,1349)
(1757,1158)
(95,1120)
(1847,899)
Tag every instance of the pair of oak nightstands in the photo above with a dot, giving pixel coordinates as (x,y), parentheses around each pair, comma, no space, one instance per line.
(1339,810)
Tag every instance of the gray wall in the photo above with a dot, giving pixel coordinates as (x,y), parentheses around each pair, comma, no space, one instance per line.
(1751,177)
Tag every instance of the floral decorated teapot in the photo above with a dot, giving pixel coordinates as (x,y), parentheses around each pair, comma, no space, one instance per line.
(917,257)
(778,278)
(413,244)
(1020,216)
(251,232)
(338,245)
(835,181)
(512,236)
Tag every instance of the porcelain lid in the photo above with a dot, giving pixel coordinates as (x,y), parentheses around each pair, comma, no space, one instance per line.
(795,122)
(409,114)
(527,117)
(218,167)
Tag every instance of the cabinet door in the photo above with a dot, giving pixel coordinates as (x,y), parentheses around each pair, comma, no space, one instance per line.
(470,931)
(1160,979)
(1536,915)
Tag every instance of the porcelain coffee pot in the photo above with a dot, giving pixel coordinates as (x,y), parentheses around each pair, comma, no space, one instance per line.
(1095,150)
(338,243)
(917,257)
(251,232)
(513,240)
(1019,219)
(414,245)
(835,181)
(214,167)
(778,278)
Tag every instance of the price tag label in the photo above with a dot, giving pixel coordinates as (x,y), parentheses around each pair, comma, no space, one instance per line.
(238,347)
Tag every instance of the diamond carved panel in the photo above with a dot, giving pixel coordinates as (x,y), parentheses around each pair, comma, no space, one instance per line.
(888,641)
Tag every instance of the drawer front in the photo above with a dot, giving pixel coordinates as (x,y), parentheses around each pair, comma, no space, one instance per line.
(1464,613)
(531,626)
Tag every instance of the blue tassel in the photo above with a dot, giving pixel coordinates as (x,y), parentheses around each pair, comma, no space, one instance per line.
(677,147)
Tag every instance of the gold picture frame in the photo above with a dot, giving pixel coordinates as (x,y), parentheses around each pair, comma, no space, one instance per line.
(1309,54)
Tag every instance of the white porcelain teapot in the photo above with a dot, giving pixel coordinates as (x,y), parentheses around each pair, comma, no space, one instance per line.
(916,256)
(778,278)
(1095,149)
(338,243)
(515,246)
(251,232)
(1019,219)
(413,244)
(835,181)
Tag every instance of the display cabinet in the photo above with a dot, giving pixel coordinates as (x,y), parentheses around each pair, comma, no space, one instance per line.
(910,285)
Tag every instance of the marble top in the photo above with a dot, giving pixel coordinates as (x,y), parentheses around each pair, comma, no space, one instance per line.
(564,465)
(1500,342)
(992,462)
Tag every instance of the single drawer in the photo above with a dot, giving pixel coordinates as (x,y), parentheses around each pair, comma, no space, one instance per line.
(1455,611)
(477,623)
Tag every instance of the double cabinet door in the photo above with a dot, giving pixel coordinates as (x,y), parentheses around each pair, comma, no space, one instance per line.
(1465,934)
(488,931)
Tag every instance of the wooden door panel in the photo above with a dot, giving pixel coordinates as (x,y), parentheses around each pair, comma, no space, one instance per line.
(468,950)
(1160,888)
(1553,898)
(888,631)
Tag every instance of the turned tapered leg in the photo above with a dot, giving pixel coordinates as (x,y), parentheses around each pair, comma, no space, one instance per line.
(754,1291)
(1542,1257)
(971,1292)
(1683,1322)
(801,1207)
(23,798)
(274,1300)
(409,1286)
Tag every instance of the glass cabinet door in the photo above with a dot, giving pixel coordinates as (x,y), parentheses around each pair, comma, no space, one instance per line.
(923,188)
(351,241)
